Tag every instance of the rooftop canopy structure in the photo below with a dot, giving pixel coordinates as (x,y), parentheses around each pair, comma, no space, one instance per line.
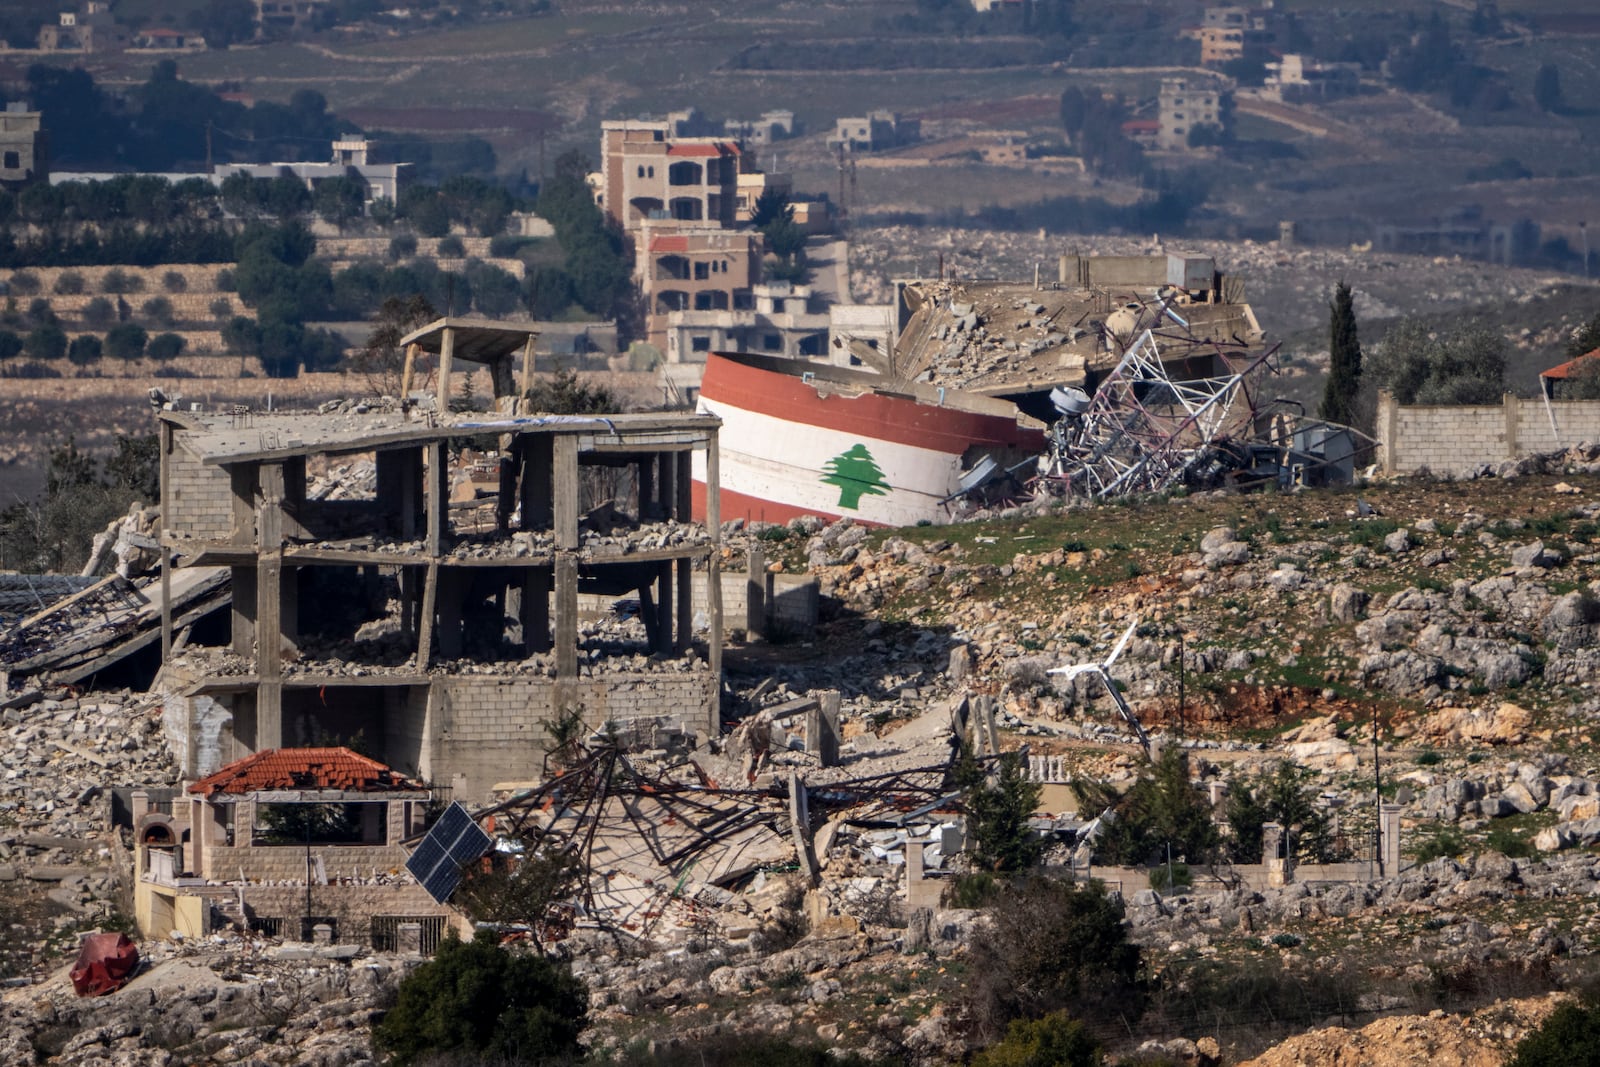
(494,344)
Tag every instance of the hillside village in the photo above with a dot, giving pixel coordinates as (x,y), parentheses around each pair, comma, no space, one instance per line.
(728,589)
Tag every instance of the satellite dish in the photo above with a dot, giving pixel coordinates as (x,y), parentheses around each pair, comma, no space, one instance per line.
(1069,401)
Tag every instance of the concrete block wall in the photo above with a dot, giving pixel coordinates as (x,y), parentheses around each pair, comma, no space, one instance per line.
(200,496)
(489,730)
(1457,439)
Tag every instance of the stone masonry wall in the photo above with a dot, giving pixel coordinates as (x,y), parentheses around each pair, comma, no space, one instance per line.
(201,498)
(1456,439)
(287,863)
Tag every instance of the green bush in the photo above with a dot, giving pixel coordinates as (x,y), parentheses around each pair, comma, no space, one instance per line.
(118,281)
(68,283)
(99,313)
(1181,877)
(479,999)
(1509,842)
(1057,1040)
(47,342)
(1429,758)
(126,341)
(25,283)
(174,282)
(451,247)
(1052,944)
(165,346)
(998,813)
(402,246)
(158,310)
(85,349)
(1570,1037)
(976,890)
(1444,841)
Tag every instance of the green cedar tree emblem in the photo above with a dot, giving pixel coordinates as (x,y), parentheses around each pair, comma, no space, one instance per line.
(856,473)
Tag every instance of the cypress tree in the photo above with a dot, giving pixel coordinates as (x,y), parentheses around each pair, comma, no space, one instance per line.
(1344,363)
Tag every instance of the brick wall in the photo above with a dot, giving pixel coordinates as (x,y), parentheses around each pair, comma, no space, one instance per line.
(200,497)
(1456,439)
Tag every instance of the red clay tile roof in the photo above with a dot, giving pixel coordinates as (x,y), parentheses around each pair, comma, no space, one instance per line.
(304,768)
(1570,367)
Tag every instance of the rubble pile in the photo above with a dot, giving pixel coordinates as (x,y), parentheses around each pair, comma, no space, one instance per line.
(223,1000)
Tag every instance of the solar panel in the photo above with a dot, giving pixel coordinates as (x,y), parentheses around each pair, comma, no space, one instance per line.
(454,841)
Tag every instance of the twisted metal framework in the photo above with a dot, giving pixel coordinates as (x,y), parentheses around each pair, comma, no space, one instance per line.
(1143,430)
(609,815)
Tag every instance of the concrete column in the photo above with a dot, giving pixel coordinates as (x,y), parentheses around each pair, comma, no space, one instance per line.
(822,728)
(447,352)
(755,593)
(1508,403)
(564,488)
(1389,838)
(244,822)
(566,616)
(1272,854)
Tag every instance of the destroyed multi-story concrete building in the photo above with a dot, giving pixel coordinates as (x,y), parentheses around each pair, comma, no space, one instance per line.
(444,637)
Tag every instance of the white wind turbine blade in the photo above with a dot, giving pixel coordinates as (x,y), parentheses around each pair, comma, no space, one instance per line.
(1075,670)
(1127,635)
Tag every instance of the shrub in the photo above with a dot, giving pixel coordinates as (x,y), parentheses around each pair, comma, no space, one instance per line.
(973,890)
(68,283)
(998,813)
(99,313)
(10,345)
(1057,1040)
(482,1000)
(225,282)
(158,310)
(451,247)
(85,349)
(165,346)
(1569,1037)
(1180,877)
(47,342)
(40,313)
(1445,841)
(118,281)
(1051,944)
(221,309)
(126,340)
(174,282)
(25,283)
(402,246)
(1429,758)
(1507,841)
(1161,810)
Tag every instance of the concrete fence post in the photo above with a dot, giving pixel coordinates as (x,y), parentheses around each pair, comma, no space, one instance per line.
(1508,401)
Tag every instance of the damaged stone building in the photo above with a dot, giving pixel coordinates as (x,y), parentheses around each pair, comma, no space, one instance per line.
(437,634)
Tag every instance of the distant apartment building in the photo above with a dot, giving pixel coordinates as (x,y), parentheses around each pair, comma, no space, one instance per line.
(162,39)
(1296,78)
(771,126)
(1226,32)
(351,158)
(690,267)
(91,28)
(647,173)
(875,131)
(286,16)
(1183,106)
(24,156)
